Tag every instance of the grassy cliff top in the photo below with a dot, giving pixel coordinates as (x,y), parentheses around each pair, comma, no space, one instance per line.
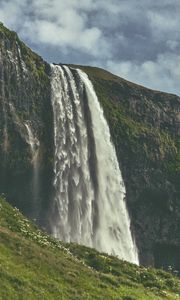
(102,74)
(35,266)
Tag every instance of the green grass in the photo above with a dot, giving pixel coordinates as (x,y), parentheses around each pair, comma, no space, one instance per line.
(35,266)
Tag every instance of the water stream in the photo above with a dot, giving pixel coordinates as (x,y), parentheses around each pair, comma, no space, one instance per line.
(89,205)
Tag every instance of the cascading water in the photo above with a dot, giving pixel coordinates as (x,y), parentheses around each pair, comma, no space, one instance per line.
(89,206)
(33,143)
(2,94)
(34,148)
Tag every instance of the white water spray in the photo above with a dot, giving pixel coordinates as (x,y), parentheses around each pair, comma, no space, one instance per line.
(34,148)
(2,98)
(33,143)
(89,206)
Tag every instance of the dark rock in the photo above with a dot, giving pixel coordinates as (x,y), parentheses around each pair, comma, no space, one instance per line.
(25,98)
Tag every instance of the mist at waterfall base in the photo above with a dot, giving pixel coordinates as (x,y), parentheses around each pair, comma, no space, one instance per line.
(88,206)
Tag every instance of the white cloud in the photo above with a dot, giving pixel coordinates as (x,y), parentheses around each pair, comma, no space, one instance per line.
(164,24)
(11,12)
(162,74)
(50,33)
(172,44)
(55,23)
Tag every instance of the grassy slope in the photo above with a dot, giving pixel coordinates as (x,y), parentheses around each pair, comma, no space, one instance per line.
(35,266)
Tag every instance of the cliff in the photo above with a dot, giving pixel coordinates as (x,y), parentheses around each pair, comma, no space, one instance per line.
(144,129)
(25,101)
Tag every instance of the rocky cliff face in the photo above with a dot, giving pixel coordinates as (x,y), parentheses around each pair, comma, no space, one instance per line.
(25,122)
(144,129)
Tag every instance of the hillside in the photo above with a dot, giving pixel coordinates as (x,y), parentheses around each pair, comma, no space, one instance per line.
(35,266)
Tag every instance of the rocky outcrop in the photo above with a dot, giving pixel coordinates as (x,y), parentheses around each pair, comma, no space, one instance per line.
(145,129)
(25,104)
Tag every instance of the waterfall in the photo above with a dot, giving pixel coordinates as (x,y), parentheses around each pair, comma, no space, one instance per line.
(2,93)
(34,149)
(89,205)
(33,143)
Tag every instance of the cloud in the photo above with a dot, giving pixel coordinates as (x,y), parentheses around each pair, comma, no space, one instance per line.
(55,23)
(47,32)
(162,74)
(11,12)
(163,24)
(136,39)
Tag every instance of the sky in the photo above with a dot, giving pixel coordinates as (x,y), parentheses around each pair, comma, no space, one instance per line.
(138,40)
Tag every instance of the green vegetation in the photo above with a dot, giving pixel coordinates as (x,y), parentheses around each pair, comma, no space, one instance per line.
(35,266)
(27,91)
(33,62)
(8,33)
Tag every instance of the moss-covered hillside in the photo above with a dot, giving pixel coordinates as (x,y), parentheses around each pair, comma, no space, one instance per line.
(35,266)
